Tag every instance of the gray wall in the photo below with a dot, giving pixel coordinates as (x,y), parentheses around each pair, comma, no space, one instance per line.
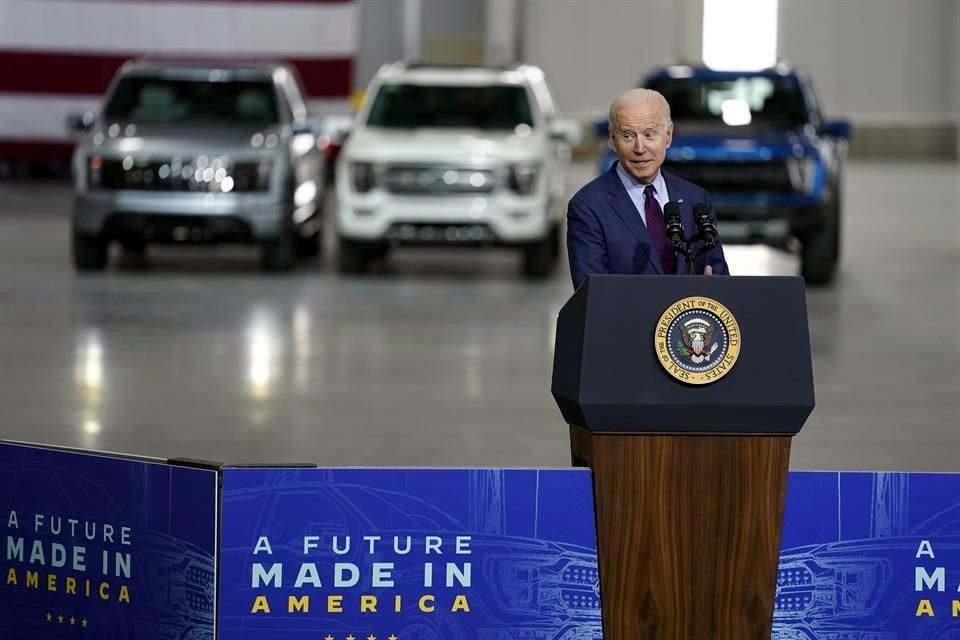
(381,37)
(956,69)
(886,64)
(593,50)
(451,31)
(891,66)
(873,60)
(877,61)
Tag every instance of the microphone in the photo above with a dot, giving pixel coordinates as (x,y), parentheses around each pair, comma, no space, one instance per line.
(708,230)
(673,226)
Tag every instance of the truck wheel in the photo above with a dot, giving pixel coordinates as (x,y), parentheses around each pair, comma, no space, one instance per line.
(540,259)
(134,249)
(278,254)
(354,256)
(310,246)
(821,250)
(89,252)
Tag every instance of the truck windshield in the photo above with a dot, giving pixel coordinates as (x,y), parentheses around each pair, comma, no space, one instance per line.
(467,107)
(760,101)
(166,100)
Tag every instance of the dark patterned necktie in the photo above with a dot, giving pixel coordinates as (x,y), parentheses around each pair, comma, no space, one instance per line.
(657,229)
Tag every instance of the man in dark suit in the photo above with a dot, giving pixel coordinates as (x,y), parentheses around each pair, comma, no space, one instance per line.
(615,222)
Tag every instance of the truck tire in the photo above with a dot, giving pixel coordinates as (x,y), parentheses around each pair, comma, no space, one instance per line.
(278,254)
(134,249)
(821,250)
(355,256)
(89,252)
(310,246)
(540,259)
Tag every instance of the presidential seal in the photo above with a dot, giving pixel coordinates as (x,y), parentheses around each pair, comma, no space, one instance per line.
(697,340)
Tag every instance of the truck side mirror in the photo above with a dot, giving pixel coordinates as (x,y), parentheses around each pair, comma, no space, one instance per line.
(78,123)
(567,131)
(838,129)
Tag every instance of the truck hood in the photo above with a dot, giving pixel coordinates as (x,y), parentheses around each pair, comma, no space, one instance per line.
(744,144)
(468,147)
(182,140)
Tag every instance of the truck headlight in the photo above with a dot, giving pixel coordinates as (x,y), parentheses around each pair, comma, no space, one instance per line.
(523,177)
(305,193)
(243,176)
(264,173)
(363,176)
(302,143)
(94,168)
(518,583)
(802,173)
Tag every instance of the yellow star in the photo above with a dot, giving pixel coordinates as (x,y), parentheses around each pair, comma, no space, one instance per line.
(49,617)
(328,637)
(60,618)
(83,623)
(73,621)
(391,637)
(371,637)
(351,637)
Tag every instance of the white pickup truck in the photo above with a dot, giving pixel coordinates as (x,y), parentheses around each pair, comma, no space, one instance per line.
(454,156)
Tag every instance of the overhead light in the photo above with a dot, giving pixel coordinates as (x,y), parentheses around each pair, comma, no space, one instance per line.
(740,35)
(735,113)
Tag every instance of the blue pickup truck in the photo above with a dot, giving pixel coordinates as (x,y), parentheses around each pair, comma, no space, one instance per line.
(759,143)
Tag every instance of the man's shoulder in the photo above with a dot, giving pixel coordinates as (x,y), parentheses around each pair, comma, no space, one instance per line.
(675,182)
(595,188)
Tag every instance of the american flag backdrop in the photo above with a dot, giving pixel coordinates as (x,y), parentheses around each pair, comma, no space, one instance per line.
(57,57)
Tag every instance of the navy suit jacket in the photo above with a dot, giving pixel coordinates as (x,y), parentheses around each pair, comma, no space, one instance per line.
(605,233)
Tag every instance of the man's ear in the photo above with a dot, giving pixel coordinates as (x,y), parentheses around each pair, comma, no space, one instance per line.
(669,135)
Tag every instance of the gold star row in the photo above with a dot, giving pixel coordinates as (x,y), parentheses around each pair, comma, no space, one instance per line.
(369,637)
(62,619)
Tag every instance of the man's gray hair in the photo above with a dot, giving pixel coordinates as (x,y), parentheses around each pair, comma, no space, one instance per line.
(635,98)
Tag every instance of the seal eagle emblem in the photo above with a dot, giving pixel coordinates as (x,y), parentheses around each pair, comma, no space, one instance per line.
(697,340)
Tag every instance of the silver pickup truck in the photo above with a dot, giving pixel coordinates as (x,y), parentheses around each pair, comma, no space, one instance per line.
(199,153)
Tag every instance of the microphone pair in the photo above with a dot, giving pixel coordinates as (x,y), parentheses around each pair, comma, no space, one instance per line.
(706,230)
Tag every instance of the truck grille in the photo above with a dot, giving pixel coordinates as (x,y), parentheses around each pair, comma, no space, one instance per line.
(735,176)
(412,179)
(180,175)
(796,587)
(579,587)
(163,228)
(440,233)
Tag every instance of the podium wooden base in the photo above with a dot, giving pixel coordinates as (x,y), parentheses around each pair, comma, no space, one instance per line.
(688,532)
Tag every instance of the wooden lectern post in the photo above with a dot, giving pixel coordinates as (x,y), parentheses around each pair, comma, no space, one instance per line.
(689,479)
(688,532)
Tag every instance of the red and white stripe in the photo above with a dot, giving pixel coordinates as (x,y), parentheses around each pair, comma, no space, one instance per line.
(58,56)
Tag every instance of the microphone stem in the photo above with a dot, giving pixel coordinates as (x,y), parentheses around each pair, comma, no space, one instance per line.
(683,247)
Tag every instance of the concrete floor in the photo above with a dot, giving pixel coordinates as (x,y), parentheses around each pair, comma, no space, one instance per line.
(445,358)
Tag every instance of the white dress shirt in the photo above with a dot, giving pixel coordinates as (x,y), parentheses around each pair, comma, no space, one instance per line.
(635,190)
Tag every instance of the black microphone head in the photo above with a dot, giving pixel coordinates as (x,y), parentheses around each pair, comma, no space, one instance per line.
(708,231)
(672,210)
(700,211)
(673,225)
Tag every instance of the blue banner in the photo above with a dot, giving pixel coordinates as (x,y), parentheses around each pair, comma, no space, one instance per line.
(408,554)
(99,547)
(870,556)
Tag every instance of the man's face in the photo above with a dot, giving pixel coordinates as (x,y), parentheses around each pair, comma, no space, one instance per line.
(640,140)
